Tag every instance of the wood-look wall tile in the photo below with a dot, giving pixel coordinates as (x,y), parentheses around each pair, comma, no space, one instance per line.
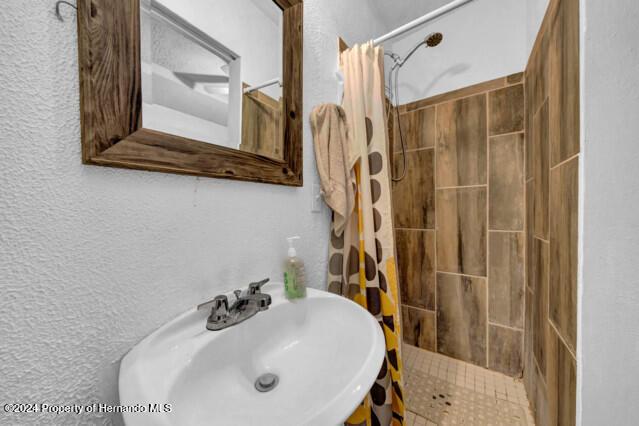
(506,285)
(506,183)
(504,350)
(419,329)
(416,267)
(561,380)
(464,92)
(564,82)
(392,119)
(529,355)
(462,317)
(515,78)
(542,410)
(537,75)
(530,277)
(418,129)
(564,205)
(528,125)
(540,303)
(541,172)
(506,110)
(461,231)
(461,142)
(414,196)
(552,96)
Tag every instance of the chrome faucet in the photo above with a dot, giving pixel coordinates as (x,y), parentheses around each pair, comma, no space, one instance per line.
(245,306)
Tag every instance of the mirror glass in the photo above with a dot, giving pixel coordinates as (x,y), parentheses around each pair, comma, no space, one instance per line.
(212,72)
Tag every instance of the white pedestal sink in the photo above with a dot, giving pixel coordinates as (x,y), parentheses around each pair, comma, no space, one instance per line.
(325,350)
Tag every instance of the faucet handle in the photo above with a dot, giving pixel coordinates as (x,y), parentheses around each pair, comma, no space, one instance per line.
(255,288)
(219,306)
(220,309)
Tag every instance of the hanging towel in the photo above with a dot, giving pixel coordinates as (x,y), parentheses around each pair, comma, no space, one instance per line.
(334,165)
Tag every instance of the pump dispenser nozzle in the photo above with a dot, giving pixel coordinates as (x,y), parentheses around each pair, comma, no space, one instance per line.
(291,249)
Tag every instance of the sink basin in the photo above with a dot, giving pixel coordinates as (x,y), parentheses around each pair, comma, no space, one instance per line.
(325,350)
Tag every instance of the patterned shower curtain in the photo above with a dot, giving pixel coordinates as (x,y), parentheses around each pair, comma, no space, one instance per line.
(362,259)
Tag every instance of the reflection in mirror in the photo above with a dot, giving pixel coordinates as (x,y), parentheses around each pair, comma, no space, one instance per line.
(211,71)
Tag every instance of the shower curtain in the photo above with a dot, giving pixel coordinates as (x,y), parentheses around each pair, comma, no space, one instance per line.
(362,258)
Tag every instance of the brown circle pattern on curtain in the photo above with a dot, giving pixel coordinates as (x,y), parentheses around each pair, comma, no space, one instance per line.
(368,273)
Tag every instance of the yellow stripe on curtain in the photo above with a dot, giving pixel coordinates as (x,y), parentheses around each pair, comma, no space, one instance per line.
(361,260)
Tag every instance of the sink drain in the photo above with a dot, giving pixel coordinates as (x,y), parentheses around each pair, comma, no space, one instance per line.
(266,382)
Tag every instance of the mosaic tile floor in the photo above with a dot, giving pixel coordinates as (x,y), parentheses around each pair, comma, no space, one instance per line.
(413,419)
(444,391)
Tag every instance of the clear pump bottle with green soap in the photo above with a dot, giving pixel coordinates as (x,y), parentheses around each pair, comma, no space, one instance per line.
(294,275)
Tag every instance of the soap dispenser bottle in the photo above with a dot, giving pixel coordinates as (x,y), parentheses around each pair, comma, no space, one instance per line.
(294,275)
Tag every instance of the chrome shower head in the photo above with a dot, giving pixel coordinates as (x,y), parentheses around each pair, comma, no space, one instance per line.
(434,39)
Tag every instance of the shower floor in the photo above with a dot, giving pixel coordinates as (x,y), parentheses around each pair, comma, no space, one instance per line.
(444,391)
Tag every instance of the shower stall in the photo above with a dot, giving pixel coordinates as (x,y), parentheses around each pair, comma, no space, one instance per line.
(485,201)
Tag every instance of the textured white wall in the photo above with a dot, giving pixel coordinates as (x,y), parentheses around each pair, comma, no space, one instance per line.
(609,311)
(93,259)
(483,40)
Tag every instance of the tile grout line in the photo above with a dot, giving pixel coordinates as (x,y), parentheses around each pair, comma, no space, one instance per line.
(517,132)
(445,188)
(423,148)
(461,275)
(541,104)
(567,160)
(418,308)
(496,324)
(560,337)
(543,241)
(543,376)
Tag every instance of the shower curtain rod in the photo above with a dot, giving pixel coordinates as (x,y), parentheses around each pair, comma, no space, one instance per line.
(269,83)
(420,21)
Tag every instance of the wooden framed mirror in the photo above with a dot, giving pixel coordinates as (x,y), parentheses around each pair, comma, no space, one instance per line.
(185,129)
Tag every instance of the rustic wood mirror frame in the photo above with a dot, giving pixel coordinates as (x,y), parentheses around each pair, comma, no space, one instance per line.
(111,103)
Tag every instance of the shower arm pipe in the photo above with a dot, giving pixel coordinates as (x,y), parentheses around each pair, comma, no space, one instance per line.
(421,21)
(269,83)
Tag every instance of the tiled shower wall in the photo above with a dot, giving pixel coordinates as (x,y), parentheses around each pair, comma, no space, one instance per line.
(460,223)
(552,176)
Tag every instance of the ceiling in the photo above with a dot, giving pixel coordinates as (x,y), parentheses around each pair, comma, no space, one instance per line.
(395,13)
